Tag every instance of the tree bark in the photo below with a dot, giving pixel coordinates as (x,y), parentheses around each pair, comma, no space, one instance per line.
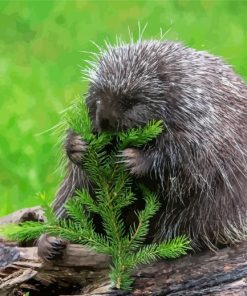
(84,272)
(28,214)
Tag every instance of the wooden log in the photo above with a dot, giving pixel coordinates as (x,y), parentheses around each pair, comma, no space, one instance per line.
(28,214)
(207,273)
(85,272)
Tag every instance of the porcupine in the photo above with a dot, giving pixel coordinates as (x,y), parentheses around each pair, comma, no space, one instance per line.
(199,161)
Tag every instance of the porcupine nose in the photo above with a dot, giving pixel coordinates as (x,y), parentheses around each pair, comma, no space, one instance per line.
(104,124)
(105,119)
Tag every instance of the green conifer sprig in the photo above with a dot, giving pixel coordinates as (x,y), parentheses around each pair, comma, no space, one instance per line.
(113,193)
(139,136)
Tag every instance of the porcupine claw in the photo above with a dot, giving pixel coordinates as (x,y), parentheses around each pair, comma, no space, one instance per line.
(51,248)
(133,160)
(75,147)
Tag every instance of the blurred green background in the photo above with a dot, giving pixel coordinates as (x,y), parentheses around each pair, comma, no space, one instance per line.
(40,55)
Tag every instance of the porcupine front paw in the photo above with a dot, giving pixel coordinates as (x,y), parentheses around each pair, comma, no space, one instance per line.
(75,147)
(135,161)
(51,248)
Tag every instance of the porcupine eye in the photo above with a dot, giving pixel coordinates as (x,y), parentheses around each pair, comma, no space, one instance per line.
(128,103)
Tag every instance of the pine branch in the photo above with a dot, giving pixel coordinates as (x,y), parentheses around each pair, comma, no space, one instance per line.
(48,211)
(77,118)
(139,136)
(167,250)
(85,198)
(113,192)
(26,231)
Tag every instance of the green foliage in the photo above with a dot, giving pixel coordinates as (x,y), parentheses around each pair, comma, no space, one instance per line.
(139,136)
(113,193)
(77,118)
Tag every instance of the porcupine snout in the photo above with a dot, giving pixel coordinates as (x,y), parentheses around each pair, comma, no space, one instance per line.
(106,117)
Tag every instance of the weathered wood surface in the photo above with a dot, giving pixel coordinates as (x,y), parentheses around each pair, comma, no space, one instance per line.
(83,272)
(80,267)
(28,214)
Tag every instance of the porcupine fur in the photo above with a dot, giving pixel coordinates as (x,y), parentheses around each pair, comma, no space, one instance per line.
(200,160)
